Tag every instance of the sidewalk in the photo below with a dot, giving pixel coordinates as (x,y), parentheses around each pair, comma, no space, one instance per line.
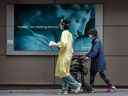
(53,92)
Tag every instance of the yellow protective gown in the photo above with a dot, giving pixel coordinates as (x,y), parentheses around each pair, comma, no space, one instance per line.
(65,55)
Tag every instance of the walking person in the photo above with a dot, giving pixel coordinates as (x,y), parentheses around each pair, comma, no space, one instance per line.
(98,63)
(62,69)
(79,70)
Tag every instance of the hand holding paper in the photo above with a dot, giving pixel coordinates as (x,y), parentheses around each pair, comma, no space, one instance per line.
(52,44)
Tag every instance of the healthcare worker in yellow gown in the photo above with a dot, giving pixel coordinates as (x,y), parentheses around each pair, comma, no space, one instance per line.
(62,69)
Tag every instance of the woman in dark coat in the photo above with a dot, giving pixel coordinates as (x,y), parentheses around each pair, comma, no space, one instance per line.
(98,64)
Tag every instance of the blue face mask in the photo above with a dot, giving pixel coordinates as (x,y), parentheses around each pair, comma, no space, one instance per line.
(90,36)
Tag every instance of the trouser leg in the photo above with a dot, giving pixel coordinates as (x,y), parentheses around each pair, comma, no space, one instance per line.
(92,77)
(74,75)
(64,85)
(85,85)
(104,77)
(71,82)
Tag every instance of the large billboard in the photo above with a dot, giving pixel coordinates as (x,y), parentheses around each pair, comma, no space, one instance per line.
(30,28)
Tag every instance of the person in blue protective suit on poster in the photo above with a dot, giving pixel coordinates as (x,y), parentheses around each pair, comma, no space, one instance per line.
(98,63)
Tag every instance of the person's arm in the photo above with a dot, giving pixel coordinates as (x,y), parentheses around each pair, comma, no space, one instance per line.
(94,51)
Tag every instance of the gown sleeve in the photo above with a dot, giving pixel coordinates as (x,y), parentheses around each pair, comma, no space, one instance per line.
(94,51)
(64,40)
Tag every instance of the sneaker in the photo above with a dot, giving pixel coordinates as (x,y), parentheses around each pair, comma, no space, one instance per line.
(92,91)
(65,92)
(77,90)
(111,89)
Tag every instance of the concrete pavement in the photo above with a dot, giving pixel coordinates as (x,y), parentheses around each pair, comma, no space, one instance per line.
(53,92)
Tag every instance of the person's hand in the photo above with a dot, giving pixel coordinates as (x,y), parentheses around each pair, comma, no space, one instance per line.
(84,57)
(58,44)
(53,46)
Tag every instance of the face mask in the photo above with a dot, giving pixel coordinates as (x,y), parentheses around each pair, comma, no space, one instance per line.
(90,36)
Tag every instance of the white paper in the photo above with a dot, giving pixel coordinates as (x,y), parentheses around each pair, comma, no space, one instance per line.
(52,43)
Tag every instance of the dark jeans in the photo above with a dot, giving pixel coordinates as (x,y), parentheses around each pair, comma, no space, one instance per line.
(102,75)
